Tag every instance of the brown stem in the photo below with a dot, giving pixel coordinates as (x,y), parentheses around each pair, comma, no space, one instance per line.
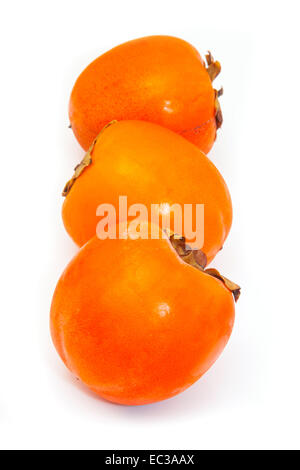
(218,111)
(213,69)
(85,162)
(213,66)
(197,259)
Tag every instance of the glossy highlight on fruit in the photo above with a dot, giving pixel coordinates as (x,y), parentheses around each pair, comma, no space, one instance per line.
(150,165)
(160,79)
(137,324)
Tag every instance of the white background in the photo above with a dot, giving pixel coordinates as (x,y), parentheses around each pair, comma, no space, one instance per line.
(250,398)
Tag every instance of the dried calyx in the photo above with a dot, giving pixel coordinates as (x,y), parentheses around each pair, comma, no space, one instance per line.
(197,259)
(218,111)
(213,69)
(85,162)
(213,66)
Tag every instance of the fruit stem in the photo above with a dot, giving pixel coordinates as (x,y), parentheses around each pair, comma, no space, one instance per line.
(213,69)
(213,66)
(198,260)
(85,162)
(218,111)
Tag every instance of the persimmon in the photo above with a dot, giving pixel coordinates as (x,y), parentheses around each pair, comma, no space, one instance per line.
(135,322)
(160,79)
(150,165)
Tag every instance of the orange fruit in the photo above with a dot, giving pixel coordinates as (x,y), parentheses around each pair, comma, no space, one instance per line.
(160,79)
(136,323)
(150,165)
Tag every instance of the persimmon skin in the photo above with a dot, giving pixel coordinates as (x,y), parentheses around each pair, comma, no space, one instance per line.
(150,165)
(160,79)
(135,323)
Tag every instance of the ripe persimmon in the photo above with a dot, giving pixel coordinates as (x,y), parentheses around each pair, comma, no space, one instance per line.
(150,165)
(160,79)
(136,323)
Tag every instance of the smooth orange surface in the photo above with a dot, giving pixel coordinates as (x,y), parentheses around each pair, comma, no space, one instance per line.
(135,323)
(160,79)
(150,165)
